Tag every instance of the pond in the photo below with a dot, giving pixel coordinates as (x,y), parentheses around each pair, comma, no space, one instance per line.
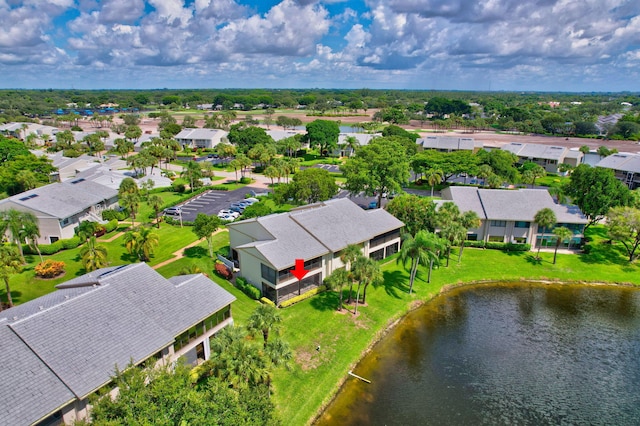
(504,353)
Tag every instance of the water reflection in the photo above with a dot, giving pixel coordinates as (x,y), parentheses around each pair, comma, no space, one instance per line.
(504,354)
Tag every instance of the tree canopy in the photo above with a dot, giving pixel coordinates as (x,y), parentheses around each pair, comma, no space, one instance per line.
(323,134)
(377,168)
(308,186)
(246,137)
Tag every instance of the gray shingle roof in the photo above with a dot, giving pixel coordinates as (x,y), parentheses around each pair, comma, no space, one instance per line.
(446,142)
(532,150)
(29,390)
(109,317)
(623,161)
(311,231)
(519,205)
(64,199)
(212,134)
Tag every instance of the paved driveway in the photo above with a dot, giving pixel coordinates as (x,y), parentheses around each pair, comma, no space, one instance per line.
(211,202)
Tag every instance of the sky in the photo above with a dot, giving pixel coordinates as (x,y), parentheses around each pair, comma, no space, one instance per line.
(510,45)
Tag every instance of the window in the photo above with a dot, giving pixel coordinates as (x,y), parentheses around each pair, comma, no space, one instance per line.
(497,238)
(522,224)
(377,255)
(384,238)
(64,222)
(268,273)
(498,223)
(199,329)
(392,249)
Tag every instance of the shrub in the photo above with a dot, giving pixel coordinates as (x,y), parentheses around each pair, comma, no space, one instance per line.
(495,245)
(245,180)
(223,271)
(219,187)
(180,188)
(111,225)
(49,268)
(111,214)
(267,301)
(247,288)
(302,297)
(70,243)
(52,248)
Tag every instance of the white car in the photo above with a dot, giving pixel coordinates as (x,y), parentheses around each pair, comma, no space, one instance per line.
(226,214)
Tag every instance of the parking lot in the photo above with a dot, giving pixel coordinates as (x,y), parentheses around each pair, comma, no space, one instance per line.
(211,202)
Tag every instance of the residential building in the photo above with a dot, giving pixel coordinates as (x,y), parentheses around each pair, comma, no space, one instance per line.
(626,167)
(22,130)
(200,138)
(344,150)
(266,248)
(508,215)
(60,348)
(60,207)
(547,156)
(448,143)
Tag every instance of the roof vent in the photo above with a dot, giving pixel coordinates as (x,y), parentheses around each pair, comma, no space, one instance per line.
(41,307)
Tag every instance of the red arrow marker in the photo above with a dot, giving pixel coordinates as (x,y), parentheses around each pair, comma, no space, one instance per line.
(299,272)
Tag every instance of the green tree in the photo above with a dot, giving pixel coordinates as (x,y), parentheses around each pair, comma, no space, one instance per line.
(433,177)
(308,186)
(377,168)
(141,241)
(93,256)
(256,210)
(192,172)
(348,255)
(546,219)
(264,319)
(86,229)
(10,264)
(562,234)
(14,221)
(424,248)
(131,202)
(417,213)
(452,228)
(30,232)
(204,227)
(595,190)
(624,226)
(337,280)
(323,134)
(246,137)
(156,202)
(366,271)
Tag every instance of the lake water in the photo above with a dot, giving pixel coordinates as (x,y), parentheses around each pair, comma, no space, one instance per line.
(504,354)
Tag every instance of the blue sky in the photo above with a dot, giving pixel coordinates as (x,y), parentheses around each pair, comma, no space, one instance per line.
(544,45)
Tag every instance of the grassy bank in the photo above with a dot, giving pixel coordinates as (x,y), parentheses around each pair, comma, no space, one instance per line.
(342,338)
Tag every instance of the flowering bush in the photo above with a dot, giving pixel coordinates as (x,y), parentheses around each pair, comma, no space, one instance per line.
(223,271)
(49,268)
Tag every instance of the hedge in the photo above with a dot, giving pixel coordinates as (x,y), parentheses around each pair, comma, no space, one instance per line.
(494,245)
(111,225)
(303,296)
(110,214)
(247,288)
(267,301)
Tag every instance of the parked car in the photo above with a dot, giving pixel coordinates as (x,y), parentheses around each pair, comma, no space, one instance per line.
(237,207)
(373,205)
(228,217)
(173,211)
(226,212)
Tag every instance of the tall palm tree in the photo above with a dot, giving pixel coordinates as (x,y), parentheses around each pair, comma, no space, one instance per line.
(366,271)
(338,279)
(192,172)
(562,234)
(156,202)
(93,256)
(469,220)
(424,248)
(264,320)
(15,220)
(545,218)
(10,264)
(433,177)
(30,232)
(347,256)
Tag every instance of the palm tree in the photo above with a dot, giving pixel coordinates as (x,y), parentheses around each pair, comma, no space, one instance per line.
(264,319)
(30,232)
(93,256)
(562,234)
(366,271)
(469,220)
(545,218)
(337,280)
(156,202)
(190,270)
(131,202)
(433,177)
(349,254)
(15,220)
(146,241)
(10,263)
(86,229)
(424,248)
(192,172)
(484,171)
